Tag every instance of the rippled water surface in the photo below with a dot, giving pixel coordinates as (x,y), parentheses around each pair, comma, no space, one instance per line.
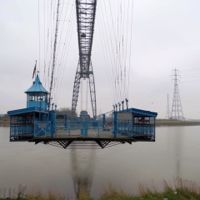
(176,153)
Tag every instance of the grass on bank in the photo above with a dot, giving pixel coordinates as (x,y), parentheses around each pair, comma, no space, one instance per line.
(179,194)
(181,191)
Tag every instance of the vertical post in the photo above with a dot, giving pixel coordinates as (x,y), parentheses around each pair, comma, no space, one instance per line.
(133,123)
(154,128)
(65,122)
(104,121)
(122,105)
(126,103)
(119,106)
(114,124)
(52,123)
(84,127)
(11,128)
(113,107)
(34,124)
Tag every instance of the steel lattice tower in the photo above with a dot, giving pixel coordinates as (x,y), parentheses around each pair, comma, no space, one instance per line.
(168,109)
(85,12)
(177,111)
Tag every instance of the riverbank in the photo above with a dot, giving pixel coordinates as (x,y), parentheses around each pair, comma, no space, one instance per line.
(4,122)
(171,122)
(169,194)
(181,190)
(179,193)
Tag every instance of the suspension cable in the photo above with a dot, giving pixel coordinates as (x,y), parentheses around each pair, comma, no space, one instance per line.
(39,46)
(54,52)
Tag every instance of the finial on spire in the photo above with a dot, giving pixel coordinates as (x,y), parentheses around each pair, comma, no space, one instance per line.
(34,70)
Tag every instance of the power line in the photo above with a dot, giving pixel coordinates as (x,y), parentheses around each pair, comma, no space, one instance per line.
(168,109)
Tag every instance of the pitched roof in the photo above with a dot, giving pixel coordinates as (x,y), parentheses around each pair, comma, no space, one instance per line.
(25,111)
(37,87)
(140,113)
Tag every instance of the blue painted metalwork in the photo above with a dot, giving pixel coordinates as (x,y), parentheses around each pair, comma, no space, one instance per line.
(79,126)
(134,122)
(31,124)
(37,87)
(52,119)
(37,95)
(26,110)
(114,130)
(36,122)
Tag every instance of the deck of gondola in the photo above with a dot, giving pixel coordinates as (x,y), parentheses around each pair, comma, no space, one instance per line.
(102,142)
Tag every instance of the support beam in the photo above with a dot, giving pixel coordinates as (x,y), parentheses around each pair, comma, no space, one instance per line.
(85,12)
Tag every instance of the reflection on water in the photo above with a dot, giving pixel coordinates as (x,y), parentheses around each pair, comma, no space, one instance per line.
(82,166)
(179,136)
(73,172)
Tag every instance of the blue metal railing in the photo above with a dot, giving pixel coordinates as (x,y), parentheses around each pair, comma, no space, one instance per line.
(105,126)
(17,131)
(37,129)
(83,127)
(135,129)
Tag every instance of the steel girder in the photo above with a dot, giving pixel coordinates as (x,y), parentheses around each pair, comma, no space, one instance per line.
(85,11)
(92,92)
(76,88)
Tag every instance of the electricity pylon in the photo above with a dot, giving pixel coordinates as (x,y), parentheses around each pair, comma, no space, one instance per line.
(177,111)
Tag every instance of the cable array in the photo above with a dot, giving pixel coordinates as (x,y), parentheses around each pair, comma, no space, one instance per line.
(117,36)
(55,22)
(54,50)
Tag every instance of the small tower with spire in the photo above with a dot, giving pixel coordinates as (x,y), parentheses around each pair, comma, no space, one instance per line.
(36,119)
(37,95)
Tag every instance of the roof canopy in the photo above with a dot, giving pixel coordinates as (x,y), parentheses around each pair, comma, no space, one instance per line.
(140,112)
(37,87)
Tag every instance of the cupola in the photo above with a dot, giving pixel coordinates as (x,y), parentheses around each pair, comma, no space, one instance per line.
(37,95)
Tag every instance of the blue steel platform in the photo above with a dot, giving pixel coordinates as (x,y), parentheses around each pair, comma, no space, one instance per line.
(37,123)
(127,126)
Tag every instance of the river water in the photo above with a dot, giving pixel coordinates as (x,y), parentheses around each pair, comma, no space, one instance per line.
(44,168)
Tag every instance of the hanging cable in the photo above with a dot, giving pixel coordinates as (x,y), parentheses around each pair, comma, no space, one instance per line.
(120,39)
(130,50)
(54,53)
(44,34)
(112,41)
(66,40)
(104,43)
(39,35)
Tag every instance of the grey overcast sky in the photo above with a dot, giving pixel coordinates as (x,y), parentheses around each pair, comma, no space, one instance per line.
(166,35)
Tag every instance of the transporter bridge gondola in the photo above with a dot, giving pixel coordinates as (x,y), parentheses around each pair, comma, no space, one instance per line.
(36,123)
(40,122)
